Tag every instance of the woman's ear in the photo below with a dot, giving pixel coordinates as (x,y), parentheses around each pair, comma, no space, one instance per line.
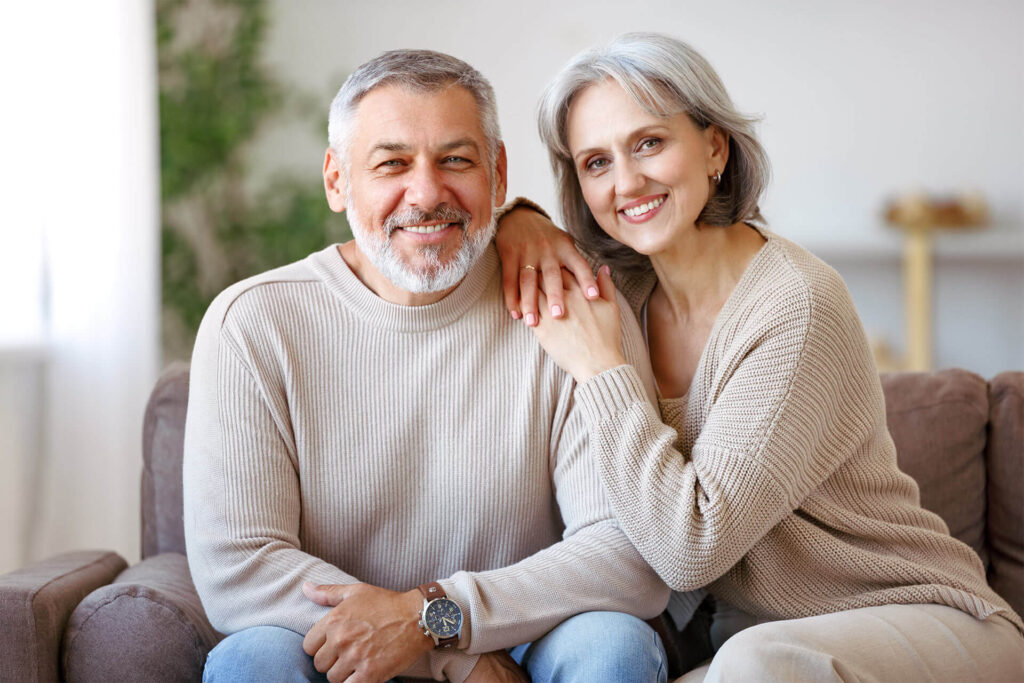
(718,149)
(334,181)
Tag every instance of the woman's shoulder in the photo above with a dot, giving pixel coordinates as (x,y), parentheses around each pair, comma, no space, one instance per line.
(788,292)
(789,269)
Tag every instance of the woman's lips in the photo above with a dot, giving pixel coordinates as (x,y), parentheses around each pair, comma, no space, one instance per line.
(643,209)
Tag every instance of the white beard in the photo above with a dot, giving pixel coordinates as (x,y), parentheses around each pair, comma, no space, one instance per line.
(434,276)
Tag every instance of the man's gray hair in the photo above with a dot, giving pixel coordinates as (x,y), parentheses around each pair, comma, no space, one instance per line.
(421,70)
(666,77)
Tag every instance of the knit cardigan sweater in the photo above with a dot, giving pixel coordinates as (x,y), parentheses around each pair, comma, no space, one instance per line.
(774,482)
(334,437)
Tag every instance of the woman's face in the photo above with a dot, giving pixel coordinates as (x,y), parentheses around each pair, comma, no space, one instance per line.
(645,178)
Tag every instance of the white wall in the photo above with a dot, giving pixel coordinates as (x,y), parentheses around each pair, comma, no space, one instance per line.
(81,177)
(860,100)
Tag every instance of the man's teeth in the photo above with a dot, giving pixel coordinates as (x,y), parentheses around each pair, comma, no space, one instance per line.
(425,229)
(644,208)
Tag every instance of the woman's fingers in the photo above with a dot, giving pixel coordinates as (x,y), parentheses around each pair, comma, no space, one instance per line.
(528,294)
(510,287)
(551,283)
(604,282)
(578,266)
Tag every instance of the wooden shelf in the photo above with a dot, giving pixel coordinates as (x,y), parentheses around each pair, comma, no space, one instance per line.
(996,244)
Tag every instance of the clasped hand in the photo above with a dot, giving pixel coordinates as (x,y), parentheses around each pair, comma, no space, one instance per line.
(587,340)
(370,634)
(547,283)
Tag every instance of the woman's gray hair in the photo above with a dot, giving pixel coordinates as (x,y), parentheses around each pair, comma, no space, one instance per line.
(666,77)
(421,70)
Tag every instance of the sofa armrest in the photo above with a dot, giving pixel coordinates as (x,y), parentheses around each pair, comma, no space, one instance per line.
(35,604)
(148,625)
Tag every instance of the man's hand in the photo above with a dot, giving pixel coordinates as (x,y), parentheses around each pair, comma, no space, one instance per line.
(497,667)
(370,635)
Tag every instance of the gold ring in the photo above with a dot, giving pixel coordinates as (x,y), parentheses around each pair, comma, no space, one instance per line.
(529,268)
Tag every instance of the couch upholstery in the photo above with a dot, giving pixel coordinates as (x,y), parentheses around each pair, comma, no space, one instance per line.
(84,617)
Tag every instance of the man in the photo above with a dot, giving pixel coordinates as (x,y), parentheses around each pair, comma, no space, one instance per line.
(382,470)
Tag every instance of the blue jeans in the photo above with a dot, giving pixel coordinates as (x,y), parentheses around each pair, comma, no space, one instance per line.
(594,646)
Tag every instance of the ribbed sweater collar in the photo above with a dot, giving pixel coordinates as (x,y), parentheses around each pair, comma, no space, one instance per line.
(332,270)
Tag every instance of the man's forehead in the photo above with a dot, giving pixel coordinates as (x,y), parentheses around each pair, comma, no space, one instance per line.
(396,118)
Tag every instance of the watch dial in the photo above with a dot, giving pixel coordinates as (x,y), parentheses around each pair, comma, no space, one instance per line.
(443,617)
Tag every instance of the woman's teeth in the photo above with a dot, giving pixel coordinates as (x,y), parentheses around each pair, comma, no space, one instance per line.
(425,229)
(643,208)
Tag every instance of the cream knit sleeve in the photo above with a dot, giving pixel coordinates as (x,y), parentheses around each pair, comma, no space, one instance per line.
(791,398)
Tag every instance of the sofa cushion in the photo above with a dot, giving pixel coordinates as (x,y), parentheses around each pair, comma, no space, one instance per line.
(1005,480)
(163,442)
(36,603)
(938,421)
(146,626)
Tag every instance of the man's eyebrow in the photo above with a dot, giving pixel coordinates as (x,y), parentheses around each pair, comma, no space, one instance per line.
(403,148)
(463,142)
(390,147)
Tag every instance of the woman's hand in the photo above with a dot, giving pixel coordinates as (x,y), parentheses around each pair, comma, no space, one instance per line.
(588,339)
(527,238)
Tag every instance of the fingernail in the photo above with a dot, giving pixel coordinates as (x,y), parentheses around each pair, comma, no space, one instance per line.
(607,270)
(516,315)
(531,319)
(556,311)
(592,291)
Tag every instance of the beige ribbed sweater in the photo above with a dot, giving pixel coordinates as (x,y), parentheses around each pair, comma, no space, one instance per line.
(774,481)
(335,437)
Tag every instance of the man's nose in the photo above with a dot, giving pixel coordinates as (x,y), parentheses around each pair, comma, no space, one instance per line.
(629,179)
(426,188)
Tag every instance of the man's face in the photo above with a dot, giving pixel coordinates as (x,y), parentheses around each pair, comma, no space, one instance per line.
(418,192)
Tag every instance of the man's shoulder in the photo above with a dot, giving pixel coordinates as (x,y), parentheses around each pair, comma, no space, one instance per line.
(254,290)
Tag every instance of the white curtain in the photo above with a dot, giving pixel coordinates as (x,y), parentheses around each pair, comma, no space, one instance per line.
(79,272)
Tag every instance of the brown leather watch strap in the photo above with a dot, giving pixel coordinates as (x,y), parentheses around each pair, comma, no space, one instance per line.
(432,591)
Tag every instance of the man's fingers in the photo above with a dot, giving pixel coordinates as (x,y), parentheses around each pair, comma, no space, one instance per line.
(342,673)
(328,595)
(315,639)
(528,295)
(552,286)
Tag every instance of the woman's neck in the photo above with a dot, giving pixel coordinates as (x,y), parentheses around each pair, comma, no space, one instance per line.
(700,270)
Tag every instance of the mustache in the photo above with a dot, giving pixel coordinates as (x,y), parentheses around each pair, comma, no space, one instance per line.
(443,213)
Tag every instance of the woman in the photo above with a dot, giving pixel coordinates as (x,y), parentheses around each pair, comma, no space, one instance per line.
(767,476)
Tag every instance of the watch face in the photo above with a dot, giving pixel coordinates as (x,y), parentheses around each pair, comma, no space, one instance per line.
(443,617)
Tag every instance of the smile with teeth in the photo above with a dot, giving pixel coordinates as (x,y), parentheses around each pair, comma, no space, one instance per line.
(644,208)
(426,229)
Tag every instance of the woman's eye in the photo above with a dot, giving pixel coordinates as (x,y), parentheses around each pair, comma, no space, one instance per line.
(597,164)
(648,144)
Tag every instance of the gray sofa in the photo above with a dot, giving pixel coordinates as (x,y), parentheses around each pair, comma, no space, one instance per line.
(87,616)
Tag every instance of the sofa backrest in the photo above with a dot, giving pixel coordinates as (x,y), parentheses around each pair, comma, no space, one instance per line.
(959,437)
(163,442)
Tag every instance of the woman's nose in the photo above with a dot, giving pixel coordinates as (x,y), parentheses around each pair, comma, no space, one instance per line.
(628,178)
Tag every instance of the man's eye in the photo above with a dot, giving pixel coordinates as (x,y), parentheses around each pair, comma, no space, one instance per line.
(391,163)
(455,160)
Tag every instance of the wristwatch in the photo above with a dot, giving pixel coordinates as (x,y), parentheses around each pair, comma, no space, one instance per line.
(441,617)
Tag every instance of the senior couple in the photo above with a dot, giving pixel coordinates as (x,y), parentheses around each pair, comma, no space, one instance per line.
(433,452)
